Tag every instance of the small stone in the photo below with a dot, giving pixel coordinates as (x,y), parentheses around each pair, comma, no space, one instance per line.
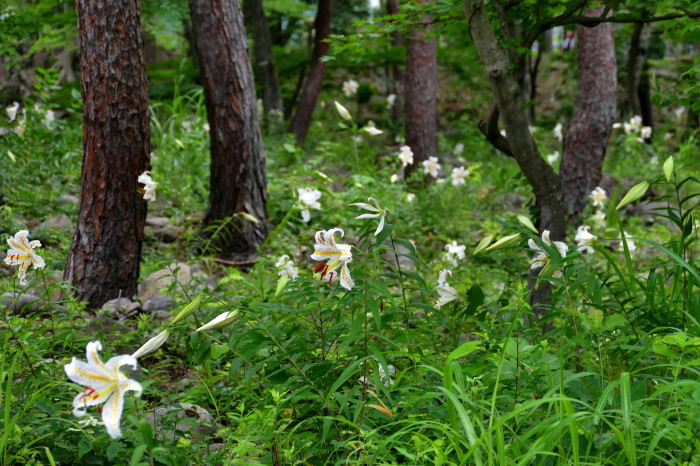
(119,308)
(158,302)
(168,233)
(157,222)
(60,222)
(22,303)
(183,418)
(67,199)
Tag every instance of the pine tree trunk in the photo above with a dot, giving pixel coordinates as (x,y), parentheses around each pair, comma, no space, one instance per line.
(314,80)
(103,262)
(586,138)
(264,60)
(420,89)
(237,174)
(636,59)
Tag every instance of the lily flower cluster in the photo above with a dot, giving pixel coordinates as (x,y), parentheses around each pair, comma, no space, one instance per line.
(405,156)
(384,376)
(22,253)
(598,197)
(541,259)
(285,266)
(459,175)
(584,239)
(455,252)
(634,127)
(431,166)
(446,293)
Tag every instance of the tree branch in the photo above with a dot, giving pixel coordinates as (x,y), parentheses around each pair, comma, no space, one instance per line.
(593,21)
(490,130)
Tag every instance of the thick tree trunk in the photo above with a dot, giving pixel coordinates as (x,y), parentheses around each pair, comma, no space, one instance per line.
(420,89)
(237,180)
(636,59)
(103,262)
(586,138)
(314,80)
(264,60)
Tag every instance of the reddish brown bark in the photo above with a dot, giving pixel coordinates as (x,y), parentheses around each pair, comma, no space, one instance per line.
(312,87)
(103,262)
(586,138)
(237,180)
(420,84)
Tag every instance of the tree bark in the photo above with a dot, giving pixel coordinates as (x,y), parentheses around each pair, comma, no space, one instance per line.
(103,261)
(314,80)
(420,89)
(264,59)
(510,100)
(392,8)
(586,138)
(237,174)
(636,59)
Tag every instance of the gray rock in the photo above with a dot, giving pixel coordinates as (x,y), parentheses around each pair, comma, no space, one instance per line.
(168,233)
(60,222)
(22,303)
(119,308)
(158,302)
(67,199)
(183,418)
(157,222)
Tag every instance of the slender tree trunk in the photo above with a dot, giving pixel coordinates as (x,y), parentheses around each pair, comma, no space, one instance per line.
(103,262)
(264,60)
(392,8)
(636,59)
(586,138)
(237,181)
(312,87)
(420,89)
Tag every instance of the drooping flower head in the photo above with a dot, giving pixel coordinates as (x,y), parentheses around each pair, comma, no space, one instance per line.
(446,293)
(406,156)
(558,132)
(390,100)
(371,129)
(285,266)
(149,189)
(584,238)
(308,199)
(336,256)
(552,158)
(105,384)
(459,175)
(598,197)
(431,166)
(12,111)
(350,88)
(541,258)
(375,210)
(22,253)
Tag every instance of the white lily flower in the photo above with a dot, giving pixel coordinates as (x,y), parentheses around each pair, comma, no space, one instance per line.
(21,253)
(431,166)
(503,133)
(376,212)
(390,100)
(630,244)
(598,218)
(558,132)
(459,175)
(406,156)
(105,384)
(410,197)
(12,111)
(541,258)
(371,129)
(645,132)
(446,293)
(584,239)
(21,127)
(552,158)
(336,255)
(308,199)
(598,197)
(49,117)
(350,88)
(455,252)
(206,127)
(286,267)
(150,186)
(152,344)
(459,148)
(220,321)
(384,376)
(394,178)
